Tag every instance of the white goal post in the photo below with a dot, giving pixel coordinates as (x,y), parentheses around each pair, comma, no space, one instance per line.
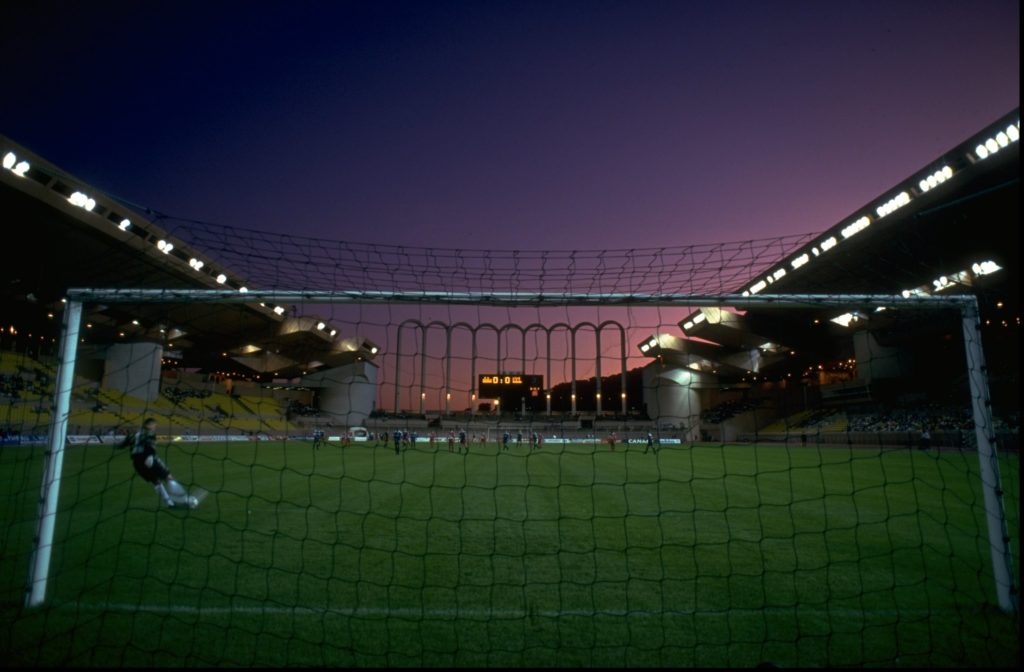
(998,533)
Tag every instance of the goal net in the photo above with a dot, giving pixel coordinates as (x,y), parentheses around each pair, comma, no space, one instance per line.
(423,457)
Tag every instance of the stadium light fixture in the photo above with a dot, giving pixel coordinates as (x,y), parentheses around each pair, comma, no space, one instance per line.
(279,310)
(998,141)
(779,273)
(935,179)
(243,289)
(320,326)
(699,317)
(221,279)
(985,268)
(653,342)
(334,332)
(686,327)
(846,319)
(799,261)
(125,224)
(828,243)
(856,227)
(917,291)
(373,350)
(82,201)
(12,164)
(758,286)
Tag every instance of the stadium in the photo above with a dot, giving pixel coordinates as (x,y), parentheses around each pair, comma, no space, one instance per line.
(816,465)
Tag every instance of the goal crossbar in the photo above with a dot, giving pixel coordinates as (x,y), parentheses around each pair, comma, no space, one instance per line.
(531,299)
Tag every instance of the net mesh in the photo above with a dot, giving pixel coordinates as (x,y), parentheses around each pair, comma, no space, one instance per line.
(480,485)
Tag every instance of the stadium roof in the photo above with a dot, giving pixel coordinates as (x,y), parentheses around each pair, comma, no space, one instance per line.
(952,226)
(64,233)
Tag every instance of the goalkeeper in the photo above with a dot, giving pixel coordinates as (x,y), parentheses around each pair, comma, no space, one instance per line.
(153,470)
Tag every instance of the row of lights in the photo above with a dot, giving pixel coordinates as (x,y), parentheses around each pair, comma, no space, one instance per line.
(278,310)
(11,163)
(321,326)
(983,150)
(944,282)
(81,200)
(998,141)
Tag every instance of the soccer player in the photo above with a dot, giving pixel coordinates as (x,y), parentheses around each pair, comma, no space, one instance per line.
(398,441)
(152,468)
(611,440)
(504,440)
(451,440)
(462,441)
(519,438)
(650,443)
(318,438)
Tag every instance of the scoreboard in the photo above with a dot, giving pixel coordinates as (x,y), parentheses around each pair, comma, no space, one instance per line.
(510,387)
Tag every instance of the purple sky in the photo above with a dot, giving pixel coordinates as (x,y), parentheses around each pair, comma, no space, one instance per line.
(529,125)
(506,125)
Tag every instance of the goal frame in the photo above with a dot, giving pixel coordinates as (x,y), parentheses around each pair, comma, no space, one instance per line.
(967,304)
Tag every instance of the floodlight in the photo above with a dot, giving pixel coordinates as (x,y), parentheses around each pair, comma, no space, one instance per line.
(279,310)
(1013,133)
(9,160)
(22,168)
(243,290)
(320,326)
(856,227)
(221,279)
(124,225)
(1002,139)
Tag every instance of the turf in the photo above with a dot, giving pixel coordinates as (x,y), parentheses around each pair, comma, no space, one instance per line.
(711,555)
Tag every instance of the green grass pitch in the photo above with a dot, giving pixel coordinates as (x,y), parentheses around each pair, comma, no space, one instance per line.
(706,556)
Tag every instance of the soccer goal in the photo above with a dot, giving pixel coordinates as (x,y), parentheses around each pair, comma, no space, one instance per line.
(683,505)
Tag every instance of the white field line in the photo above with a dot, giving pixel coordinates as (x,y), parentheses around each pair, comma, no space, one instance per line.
(497,613)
